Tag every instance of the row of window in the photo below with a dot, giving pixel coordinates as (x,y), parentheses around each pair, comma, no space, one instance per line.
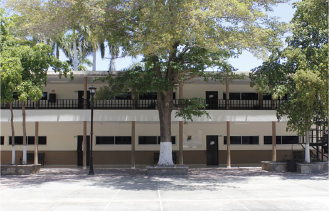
(123,140)
(252,140)
(155,140)
(42,140)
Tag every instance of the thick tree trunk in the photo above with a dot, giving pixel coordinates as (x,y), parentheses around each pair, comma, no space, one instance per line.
(24,133)
(13,156)
(165,104)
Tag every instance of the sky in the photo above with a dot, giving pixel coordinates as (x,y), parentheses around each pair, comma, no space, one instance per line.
(244,63)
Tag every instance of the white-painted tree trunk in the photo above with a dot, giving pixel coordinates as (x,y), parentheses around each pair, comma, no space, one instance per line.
(165,158)
(24,155)
(307,148)
(12,154)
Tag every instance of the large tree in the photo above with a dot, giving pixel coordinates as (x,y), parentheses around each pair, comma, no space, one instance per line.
(300,71)
(179,39)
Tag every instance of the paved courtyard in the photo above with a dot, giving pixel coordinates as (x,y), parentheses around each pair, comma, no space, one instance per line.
(71,189)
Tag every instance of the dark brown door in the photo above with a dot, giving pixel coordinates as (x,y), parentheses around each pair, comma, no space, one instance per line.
(81,98)
(212,99)
(212,150)
(80,152)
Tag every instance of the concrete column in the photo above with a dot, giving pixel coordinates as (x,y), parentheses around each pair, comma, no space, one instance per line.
(133,135)
(36,142)
(85,83)
(260,98)
(273,141)
(84,145)
(181,129)
(227,100)
(228,143)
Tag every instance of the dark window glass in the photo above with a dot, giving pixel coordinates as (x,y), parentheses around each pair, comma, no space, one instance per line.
(173,139)
(148,96)
(104,139)
(147,139)
(42,140)
(268,140)
(44,96)
(234,96)
(123,140)
(250,140)
(249,96)
(290,140)
(18,140)
(2,140)
(15,96)
(267,96)
(234,139)
(174,95)
(123,96)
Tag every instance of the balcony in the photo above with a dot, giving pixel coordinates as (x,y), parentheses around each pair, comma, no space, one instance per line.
(143,104)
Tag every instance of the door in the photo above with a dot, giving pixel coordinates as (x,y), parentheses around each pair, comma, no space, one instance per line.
(80,152)
(212,99)
(212,150)
(81,98)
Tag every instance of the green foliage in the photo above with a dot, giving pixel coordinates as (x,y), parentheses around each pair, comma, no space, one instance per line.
(300,70)
(188,108)
(24,66)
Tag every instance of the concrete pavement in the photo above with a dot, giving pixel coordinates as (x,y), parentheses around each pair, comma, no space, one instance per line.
(71,189)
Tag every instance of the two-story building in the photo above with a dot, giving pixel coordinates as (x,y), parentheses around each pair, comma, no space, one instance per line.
(126,128)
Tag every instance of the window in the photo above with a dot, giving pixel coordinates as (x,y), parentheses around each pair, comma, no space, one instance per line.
(123,140)
(148,96)
(123,96)
(42,140)
(268,140)
(113,140)
(15,96)
(290,140)
(153,140)
(245,140)
(44,96)
(282,140)
(2,140)
(233,139)
(147,140)
(267,96)
(104,139)
(18,140)
(250,140)
(249,96)
(242,96)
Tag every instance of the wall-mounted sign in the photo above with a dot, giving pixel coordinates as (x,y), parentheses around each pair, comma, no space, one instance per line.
(52,90)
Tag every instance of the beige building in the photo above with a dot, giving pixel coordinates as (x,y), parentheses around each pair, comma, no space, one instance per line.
(126,130)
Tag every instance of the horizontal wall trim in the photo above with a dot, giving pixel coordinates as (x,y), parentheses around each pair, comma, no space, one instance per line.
(137,115)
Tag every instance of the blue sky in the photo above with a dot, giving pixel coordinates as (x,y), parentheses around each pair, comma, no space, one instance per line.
(245,62)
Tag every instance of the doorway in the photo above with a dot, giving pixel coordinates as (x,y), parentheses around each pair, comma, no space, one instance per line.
(80,152)
(212,150)
(212,99)
(81,98)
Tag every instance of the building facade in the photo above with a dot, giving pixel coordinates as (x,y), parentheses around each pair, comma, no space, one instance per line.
(127,132)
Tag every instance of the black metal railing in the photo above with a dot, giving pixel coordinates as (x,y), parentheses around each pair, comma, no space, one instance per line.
(143,104)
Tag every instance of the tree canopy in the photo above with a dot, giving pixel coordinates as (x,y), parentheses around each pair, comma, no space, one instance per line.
(300,71)
(178,40)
